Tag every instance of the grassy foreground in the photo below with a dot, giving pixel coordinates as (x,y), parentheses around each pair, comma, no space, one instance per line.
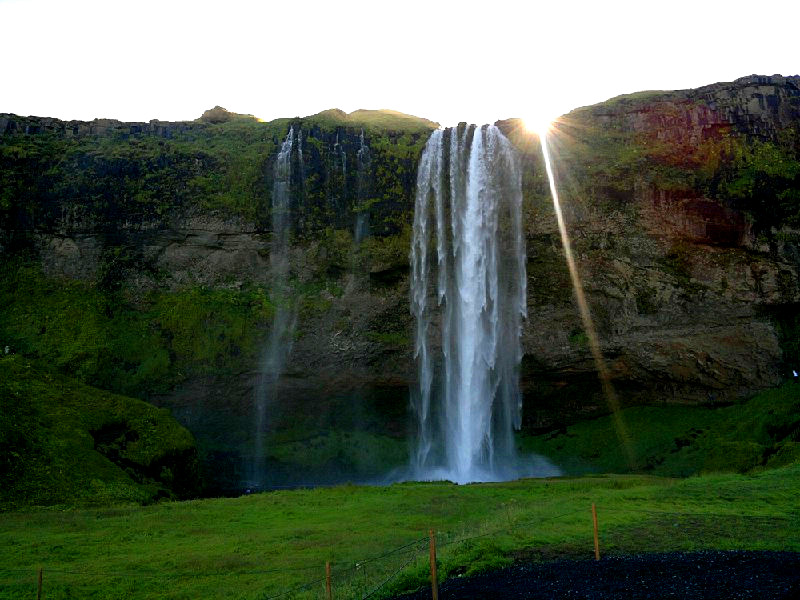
(267,545)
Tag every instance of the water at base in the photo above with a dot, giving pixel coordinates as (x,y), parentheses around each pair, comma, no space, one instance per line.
(279,344)
(468,287)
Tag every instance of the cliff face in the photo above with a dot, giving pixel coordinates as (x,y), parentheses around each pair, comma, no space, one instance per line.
(759,106)
(683,210)
(682,206)
(167,236)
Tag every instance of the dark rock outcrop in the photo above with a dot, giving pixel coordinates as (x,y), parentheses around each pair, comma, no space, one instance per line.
(756,105)
(11,124)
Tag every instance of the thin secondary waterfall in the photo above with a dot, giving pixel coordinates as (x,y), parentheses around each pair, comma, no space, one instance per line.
(336,175)
(364,159)
(468,288)
(279,343)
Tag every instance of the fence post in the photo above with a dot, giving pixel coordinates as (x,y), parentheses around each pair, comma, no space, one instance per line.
(39,585)
(434,581)
(596,538)
(328,580)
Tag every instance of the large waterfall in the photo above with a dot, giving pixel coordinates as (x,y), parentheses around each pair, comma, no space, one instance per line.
(468,290)
(279,344)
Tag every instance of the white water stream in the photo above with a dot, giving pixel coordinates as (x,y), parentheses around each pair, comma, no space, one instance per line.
(468,289)
(279,344)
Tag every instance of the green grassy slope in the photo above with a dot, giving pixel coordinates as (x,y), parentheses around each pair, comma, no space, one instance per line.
(683,440)
(373,120)
(62,442)
(263,545)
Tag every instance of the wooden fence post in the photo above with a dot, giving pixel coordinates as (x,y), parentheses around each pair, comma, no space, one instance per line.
(39,585)
(596,537)
(434,581)
(328,579)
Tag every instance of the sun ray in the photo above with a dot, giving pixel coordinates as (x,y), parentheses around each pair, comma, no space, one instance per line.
(586,317)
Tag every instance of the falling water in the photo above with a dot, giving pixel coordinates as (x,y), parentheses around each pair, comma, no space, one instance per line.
(336,176)
(468,287)
(279,344)
(343,157)
(364,159)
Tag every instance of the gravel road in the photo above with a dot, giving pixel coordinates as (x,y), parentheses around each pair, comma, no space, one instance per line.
(686,575)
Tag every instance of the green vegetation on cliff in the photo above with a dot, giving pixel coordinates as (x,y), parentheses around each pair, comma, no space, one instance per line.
(62,442)
(372,121)
(103,340)
(148,348)
(127,178)
(763,179)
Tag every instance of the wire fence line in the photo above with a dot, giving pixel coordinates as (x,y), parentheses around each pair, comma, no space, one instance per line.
(494,532)
(408,553)
(392,576)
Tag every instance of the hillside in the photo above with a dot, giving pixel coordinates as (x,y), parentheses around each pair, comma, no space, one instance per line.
(66,443)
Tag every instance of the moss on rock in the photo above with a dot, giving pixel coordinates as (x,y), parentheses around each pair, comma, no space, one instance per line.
(68,443)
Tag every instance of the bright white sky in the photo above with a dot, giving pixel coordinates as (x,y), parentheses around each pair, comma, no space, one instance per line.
(447,61)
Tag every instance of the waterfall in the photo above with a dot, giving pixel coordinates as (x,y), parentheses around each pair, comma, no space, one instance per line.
(364,159)
(279,344)
(343,157)
(336,189)
(468,287)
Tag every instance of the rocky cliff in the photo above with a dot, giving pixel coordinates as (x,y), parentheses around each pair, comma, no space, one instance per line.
(683,208)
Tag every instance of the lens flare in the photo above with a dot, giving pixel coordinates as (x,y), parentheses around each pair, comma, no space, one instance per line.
(586,317)
(539,125)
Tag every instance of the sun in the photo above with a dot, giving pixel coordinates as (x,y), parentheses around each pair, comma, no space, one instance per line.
(538,124)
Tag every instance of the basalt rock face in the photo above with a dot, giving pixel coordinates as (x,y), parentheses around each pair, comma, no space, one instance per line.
(191,251)
(11,124)
(685,233)
(689,257)
(678,321)
(189,203)
(757,105)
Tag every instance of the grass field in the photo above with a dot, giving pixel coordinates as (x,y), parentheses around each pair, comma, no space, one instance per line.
(265,545)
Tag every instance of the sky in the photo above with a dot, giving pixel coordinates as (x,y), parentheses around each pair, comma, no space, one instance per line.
(446,61)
